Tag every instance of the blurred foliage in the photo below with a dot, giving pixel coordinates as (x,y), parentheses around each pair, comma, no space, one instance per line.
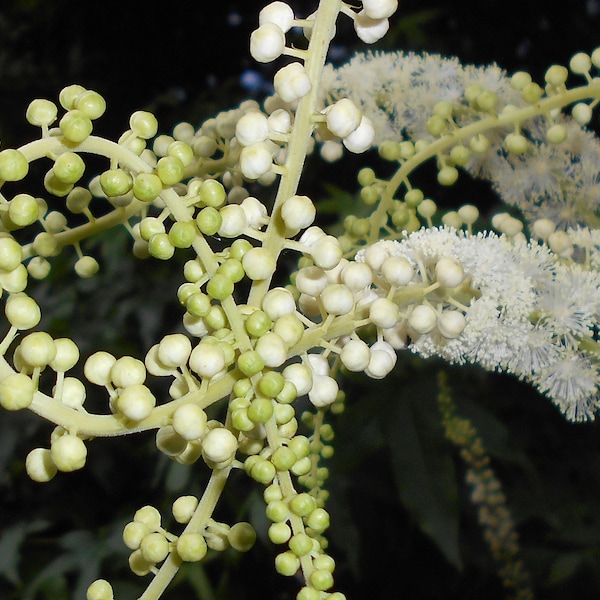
(403,525)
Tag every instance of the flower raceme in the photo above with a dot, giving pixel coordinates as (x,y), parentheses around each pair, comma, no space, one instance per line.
(392,281)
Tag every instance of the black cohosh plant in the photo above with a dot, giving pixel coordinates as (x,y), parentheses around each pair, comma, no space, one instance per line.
(522,299)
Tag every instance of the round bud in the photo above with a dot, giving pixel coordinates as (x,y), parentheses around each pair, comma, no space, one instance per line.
(299,375)
(76,126)
(278,302)
(39,465)
(361,139)
(422,318)
(355,355)
(279,533)
(128,371)
(580,63)
(279,13)
(292,82)
(370,30)
(41,112)
(258,263)
(189,421)
(582,113)
(22,311)
(241,536)
(298,212)
(37,349)
(23,210)
(516,143)
(383,313)
(451,323)
(267,42)
(337,299)
(557,134)
(251,128)
(234,221)
(154,547)
(397,271)
(380,9)
(143,124)
(147,186)
(174,350)
(86,267)
(287,564)
(136,402)
(256,160)
(67,355)
(73,393)
(556,75)
(449,272)
(16,391)
(149,516)
(184,508)
(301,544)
(13,165)
(100,590)
(207,359)
(133,534)
(98,366)
(68,167)
(68,453)
(219,445)
(324,391)
(272,350)
(191,547)
(543,228)
(383,360)
(343,117)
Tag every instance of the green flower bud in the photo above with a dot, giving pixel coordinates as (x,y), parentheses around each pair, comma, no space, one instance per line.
(170,170)
(191,547)
(16,391)
(241,536)
(91,104)
(154,547)
(75,126)
(160,246)
(212,193)
(13,165)
(100,590)
(41,113)
(209,220)
(147,186)
(182,234)
(116,182)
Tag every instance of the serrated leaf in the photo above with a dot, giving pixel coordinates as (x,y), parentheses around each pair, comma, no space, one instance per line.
(424,471)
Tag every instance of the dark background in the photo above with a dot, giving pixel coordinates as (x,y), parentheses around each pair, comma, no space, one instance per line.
(184,61)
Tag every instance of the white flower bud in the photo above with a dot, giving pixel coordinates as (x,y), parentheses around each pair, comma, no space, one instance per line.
(324,391)
(97,368)
(136,402)
(326,252)
(272,349)
(233,221)
(451,323)
(39,465)
(311,280)
(292,82)
(256,212)
(128,371)
(375,255)
(383,313)
(543,228)
(355,355)
(280,121)
(298,212)
(279,13)
(380,9)
(319,364)
(189,421)
(311,235)
(308,305)
(207,359)
(383,360)
(337,299)
(397,271)
(251,128)
(343,117)
(289,328)
(73,393)
(67,354)
(331,151)
(278,302)
(155,366)
(560,243)
(357,276)
(361,139)
(397,336)
(449,272)
(174,350)
(267,42)
(195,326)
(219,445)
(22,311)
(369,30)
(184,507)
(256,160)
(68,453)
(422,318)
(258,263)
(301,376)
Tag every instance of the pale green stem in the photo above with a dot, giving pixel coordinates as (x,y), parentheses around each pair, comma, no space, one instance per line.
(201,515)
(324,26)
(544,106)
